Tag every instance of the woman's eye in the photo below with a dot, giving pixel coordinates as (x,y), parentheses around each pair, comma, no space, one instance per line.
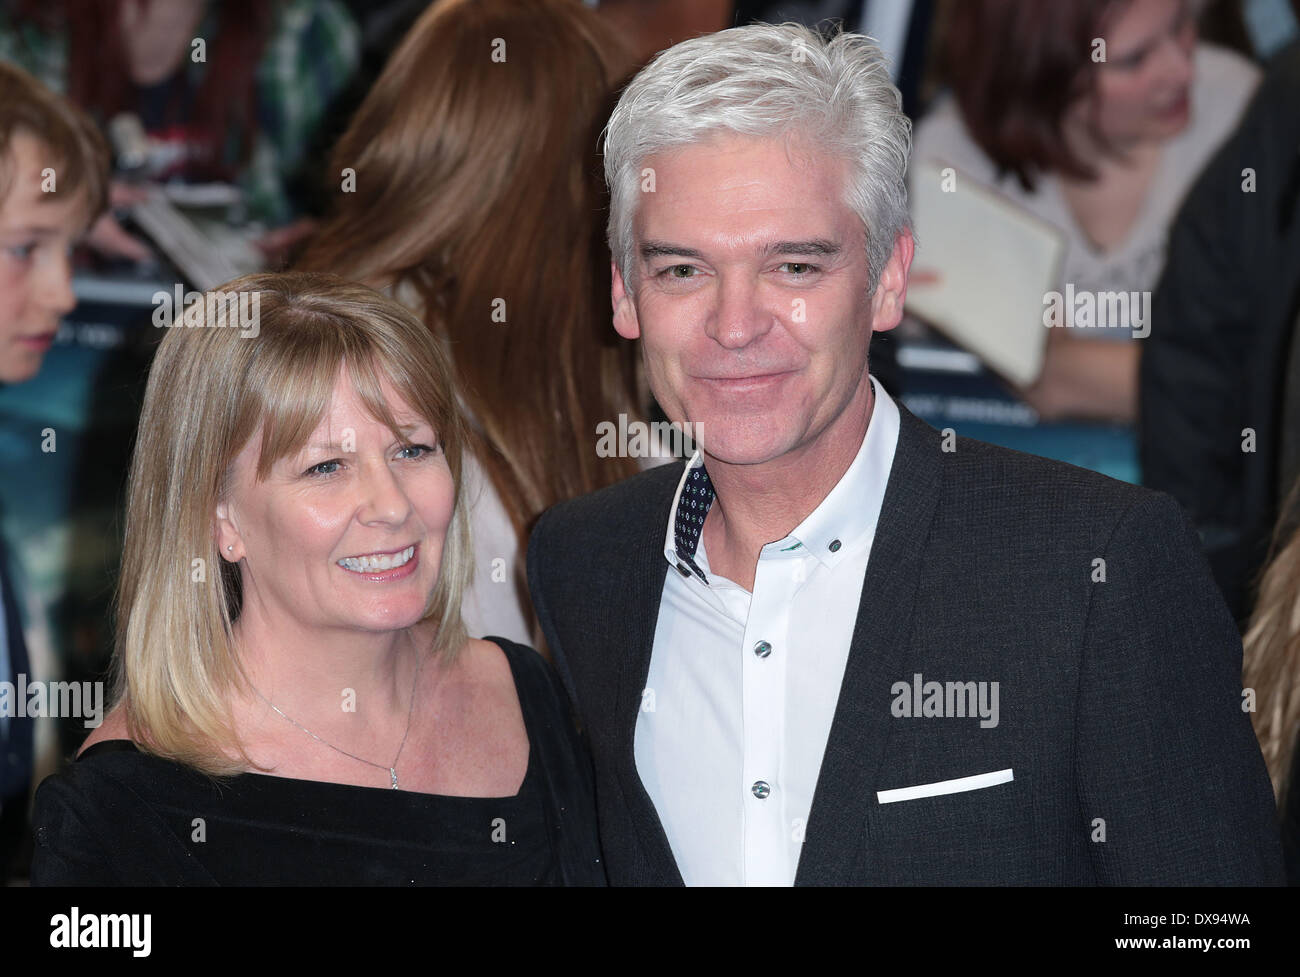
(421,449)
(324,468)
(22,251)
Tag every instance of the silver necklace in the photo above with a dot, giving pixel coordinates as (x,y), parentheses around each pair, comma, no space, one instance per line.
(391,768)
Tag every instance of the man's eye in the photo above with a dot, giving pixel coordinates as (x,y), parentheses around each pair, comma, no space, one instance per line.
(22,251)
(799,268)
(679,271)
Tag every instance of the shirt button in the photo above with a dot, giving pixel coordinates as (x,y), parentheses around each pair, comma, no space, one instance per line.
(761,789)
(762,649)
(835,546)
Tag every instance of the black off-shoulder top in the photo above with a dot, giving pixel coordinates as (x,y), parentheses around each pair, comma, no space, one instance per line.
(118,816)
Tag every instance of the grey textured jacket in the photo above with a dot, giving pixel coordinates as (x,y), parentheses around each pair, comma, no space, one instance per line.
(1120,699)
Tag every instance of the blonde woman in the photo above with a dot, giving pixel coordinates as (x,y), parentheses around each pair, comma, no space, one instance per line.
(1271,667)
(297,701)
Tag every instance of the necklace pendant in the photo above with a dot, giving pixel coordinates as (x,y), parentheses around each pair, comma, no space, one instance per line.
(392,772)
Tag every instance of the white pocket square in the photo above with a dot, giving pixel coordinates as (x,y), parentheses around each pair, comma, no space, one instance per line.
(945,786)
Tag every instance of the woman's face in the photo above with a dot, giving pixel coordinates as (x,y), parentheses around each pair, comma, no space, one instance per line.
(348,533)
(1143,87)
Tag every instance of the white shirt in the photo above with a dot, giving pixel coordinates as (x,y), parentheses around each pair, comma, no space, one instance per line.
(718,717)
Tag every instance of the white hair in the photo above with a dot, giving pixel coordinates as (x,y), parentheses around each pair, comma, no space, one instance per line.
(768,80)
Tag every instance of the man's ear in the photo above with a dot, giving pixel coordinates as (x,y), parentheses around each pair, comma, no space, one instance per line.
(891,289)
(625,320)
(230,545)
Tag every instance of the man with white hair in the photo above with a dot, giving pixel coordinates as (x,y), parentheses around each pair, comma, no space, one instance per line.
(838,646)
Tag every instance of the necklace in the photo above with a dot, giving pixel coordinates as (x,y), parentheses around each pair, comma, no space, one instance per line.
(392,767)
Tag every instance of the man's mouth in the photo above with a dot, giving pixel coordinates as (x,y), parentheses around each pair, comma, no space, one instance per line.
(742,381)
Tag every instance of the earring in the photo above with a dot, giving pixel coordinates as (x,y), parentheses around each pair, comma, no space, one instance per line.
(230,548)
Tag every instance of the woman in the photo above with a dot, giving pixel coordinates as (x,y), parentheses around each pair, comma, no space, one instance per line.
(1096,118)
(471,190)
(296,698)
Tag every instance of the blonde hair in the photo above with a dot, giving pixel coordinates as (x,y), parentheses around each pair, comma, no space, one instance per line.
(1271,649)
(213,386)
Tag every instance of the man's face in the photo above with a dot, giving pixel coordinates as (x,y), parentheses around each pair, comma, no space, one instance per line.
(37,231)
(751,295)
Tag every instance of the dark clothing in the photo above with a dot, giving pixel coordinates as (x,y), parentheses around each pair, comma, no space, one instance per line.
(120,816)
(1291,821)
(16,731)
(1222,325)
(1120,694)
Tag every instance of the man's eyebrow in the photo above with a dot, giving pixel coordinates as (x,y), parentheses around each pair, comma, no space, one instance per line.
(662,249)
(817,247)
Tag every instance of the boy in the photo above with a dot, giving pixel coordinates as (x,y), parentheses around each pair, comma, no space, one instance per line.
(54,169)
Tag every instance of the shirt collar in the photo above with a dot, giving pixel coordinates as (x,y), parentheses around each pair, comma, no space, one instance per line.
(847,515)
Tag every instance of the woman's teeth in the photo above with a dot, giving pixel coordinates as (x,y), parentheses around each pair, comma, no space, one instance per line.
(369,564)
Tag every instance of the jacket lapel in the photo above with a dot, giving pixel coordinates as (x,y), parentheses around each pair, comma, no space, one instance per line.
(642,588)
(860,728)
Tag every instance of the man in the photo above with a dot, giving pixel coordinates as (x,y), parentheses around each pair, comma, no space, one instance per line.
(838,646)
(53,182)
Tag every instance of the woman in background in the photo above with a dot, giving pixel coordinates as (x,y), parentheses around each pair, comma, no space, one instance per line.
(296,699)
(471,189)
(1103,150)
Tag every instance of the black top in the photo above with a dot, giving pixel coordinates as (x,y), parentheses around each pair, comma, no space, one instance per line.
(122,817)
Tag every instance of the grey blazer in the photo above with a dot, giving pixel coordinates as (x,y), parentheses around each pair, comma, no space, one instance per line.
(1088,601)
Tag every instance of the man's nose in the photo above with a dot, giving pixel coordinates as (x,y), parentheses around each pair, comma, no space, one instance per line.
(739,316)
